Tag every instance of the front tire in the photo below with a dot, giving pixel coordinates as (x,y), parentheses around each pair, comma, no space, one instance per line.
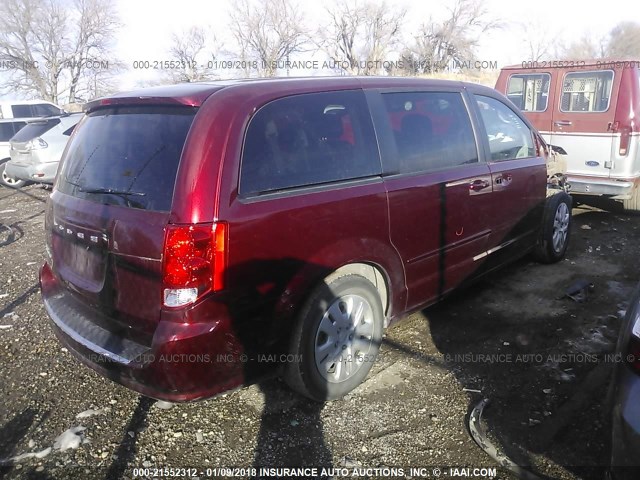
(8,181)
(336,338)
(554,235)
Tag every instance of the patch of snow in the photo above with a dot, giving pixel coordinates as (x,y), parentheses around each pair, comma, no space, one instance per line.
(5,327)
(70,438)
(9,211)
(91,412)
(24,456)
(164,405)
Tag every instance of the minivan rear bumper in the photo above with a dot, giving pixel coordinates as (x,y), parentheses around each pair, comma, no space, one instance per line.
(181,362)
(619,189)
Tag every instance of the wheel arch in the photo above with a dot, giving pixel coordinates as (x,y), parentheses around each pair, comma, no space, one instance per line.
(374,274)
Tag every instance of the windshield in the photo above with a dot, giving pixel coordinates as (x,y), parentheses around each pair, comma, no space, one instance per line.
(127,156)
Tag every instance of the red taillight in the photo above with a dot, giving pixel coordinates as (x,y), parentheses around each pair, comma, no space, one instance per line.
(194,261)
(625,140)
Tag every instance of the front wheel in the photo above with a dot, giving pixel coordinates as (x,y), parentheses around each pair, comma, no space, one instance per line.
(554,235)
(336,338)
(8,181)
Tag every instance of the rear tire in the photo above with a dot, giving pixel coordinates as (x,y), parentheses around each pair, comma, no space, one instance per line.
(8,181)
(336,338)
(554,235)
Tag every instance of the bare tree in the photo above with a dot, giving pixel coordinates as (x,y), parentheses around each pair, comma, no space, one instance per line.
(587,47)
(439,43)
(538,40)
(360,35)
(55,47)
(267,33)
(624,40)
(194,52)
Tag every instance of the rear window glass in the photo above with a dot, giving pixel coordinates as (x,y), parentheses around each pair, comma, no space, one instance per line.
(33,130)
(127,156)
(586,91)
(306,140)
(9,129)
(529,93)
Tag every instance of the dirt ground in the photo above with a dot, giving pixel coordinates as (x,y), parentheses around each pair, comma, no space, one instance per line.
(539,359)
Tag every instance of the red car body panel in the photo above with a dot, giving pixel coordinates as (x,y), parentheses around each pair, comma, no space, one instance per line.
(421,232)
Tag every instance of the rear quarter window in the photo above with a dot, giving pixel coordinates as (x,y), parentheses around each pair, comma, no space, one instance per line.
(308,139)
(127,156)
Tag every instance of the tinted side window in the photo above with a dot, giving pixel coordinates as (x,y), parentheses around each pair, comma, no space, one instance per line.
(6,131)
(21,111)
(45,110)
(432,130)
(308,139)
(529,92)
(509,137)
(9,129)
(586,91)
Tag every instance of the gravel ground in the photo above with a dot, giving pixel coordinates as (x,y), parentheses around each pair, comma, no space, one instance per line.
(539,359)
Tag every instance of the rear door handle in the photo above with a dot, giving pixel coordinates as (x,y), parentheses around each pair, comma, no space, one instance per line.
(503,180)
(563,123)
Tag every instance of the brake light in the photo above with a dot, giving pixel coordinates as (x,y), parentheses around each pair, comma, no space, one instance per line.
(193,262)
(633,350)
(625,140)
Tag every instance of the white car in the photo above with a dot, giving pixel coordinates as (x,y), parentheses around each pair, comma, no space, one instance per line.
(8,128)
(28,109)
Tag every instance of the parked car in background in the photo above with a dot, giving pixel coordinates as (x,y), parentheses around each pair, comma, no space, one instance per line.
(28,109)
(592,110)
(200,233)
(625,389)
(36,150)
(8,128)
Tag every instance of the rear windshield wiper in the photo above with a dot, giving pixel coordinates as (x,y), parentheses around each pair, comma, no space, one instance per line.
(111,191)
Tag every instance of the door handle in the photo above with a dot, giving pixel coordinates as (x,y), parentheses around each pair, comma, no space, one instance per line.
(563,123)
(478,184)
(504,180)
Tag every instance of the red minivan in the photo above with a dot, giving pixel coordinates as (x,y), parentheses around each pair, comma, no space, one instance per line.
(591,109)
(200,236)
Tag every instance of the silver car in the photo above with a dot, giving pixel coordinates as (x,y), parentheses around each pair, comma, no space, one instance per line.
(37,148)
(625,448)
(8,128)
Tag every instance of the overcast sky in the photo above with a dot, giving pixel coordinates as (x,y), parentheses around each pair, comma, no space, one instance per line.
(147,26)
